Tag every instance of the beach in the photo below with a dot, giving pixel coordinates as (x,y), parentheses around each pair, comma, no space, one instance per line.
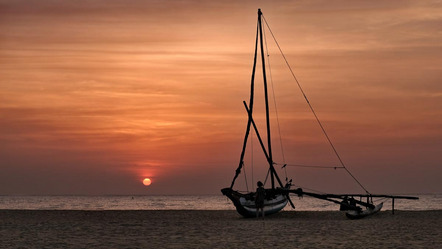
(217,229)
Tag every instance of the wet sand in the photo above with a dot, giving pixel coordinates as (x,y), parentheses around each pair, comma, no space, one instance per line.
(217,229)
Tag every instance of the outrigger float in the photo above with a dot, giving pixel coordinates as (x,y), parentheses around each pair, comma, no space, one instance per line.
(278,195)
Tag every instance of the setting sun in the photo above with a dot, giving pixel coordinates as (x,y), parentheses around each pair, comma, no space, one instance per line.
(147,181)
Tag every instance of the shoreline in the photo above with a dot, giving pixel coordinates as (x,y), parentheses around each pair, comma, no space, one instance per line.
(217,229)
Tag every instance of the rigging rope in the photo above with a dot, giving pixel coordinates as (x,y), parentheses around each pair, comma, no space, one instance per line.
(274,102)
(310,189)
(313,166)
(267,177)
(312,110)
(245,177)
(252,157)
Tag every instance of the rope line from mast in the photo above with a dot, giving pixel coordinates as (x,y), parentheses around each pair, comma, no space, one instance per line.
(245,176)
(310,189)
(252,157)
(312,166)
(312,110)
(274,101)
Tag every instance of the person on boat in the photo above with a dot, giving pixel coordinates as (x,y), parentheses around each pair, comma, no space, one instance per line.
(353,205)
(344,204)
(259,199)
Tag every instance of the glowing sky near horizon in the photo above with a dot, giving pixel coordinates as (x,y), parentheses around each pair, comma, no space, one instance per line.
(95,96)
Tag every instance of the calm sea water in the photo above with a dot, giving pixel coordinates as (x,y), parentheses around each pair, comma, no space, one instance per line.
(206,202)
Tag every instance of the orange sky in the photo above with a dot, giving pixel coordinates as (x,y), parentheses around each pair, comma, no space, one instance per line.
(97,95)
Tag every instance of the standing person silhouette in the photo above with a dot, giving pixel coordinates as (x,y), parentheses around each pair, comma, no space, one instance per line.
(259,199)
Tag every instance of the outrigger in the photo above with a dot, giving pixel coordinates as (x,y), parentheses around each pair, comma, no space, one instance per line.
(278,195)
(356,209)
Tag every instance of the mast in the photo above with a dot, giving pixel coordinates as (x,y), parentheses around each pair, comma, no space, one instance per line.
(269,141)
(273,174)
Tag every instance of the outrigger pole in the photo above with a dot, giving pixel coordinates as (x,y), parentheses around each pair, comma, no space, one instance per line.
(328,197)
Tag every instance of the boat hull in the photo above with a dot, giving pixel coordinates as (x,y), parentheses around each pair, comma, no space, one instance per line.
(353,214)
(245,203)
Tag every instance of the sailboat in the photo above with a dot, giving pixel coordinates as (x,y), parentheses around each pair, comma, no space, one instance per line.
(277,196)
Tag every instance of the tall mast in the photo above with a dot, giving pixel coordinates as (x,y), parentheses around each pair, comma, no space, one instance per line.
(269,141)
(273,174)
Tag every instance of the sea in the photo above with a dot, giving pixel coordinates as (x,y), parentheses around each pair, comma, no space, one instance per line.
(188,202)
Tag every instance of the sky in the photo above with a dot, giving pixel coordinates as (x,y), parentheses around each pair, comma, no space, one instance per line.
(97,95)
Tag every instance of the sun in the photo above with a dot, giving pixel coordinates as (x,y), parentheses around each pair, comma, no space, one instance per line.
(147,181)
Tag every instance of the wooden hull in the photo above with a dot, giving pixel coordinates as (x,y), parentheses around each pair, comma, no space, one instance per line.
(245,203)
(353,214)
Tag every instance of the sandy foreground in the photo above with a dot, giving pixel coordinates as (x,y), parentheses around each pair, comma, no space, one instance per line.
(217,229)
